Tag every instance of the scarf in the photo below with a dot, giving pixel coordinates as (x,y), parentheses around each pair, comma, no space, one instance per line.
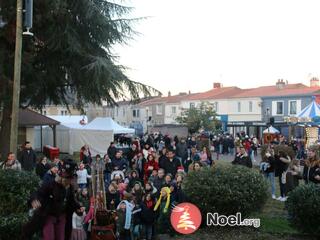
(129,208)
(167,190)
(149,204)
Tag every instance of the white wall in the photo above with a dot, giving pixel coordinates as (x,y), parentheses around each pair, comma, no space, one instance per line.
(30,136)
(170,116)
(245,114)
(230,107)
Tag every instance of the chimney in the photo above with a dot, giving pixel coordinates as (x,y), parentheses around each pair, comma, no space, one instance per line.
(217,85)
(169,94)
(189,92)
(280,84)
(314,82)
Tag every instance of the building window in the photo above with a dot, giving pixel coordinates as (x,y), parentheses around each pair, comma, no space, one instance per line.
(64,112)
(250,106)
(44,112)
(239,106)
(279,108)
(174,110)
(117,112)
(159,109)
(123,112)
(293,107)
(192,105)
(216,106)
(136,113)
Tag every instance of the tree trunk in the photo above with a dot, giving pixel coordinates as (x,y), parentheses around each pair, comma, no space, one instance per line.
(5,131)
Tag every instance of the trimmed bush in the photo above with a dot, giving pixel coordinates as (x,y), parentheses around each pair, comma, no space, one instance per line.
(16,188)
(226,190)
(303,206)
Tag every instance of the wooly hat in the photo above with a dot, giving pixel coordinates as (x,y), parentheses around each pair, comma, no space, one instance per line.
(168,192)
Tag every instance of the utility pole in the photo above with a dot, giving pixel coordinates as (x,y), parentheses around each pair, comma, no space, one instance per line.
(16,80)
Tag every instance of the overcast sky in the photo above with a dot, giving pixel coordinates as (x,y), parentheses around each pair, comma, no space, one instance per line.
(188,45)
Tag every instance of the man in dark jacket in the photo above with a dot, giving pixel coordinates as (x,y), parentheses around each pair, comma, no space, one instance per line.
(53,205)
(28,157)
(182,151)
(119,163)
(172,163)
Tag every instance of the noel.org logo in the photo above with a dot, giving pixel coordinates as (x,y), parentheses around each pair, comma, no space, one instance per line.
(185,218)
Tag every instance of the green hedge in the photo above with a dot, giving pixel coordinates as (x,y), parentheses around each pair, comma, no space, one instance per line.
(303,206)
(16,188)
(226,190)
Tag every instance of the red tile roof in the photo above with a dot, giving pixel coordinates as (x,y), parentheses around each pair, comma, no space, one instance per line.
(235,92)
(273,91)
(169,100)
(217,93)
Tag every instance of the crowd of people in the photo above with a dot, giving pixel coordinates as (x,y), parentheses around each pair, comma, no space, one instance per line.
(303,165)
(143,181)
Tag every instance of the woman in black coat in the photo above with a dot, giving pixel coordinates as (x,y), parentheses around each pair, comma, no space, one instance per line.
(53,205)
(282,161)
(148,215)
(242,158)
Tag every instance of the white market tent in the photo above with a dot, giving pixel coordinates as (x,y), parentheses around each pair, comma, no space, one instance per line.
(271,130)
(67,119)
(71,136)
(107,123)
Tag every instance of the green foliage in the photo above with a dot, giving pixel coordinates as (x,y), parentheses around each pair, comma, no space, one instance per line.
(70,53)
(303,206)
(227,190)
(16,188)
(201,118)
(10,225)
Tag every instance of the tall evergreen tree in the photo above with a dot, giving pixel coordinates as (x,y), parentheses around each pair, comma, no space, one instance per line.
(71,52)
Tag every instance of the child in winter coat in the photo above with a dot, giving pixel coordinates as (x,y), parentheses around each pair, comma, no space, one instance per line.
(137,192)
(136,221)
(78,232)
(148,215)
(84,198)
(124,219)
(163,209)
(154,175)
(82,176)
(133,178)
(149,166)
(112,196)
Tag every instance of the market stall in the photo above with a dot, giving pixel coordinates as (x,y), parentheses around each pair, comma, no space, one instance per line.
(270,134)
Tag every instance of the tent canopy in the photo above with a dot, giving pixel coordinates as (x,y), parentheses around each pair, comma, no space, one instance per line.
(310,111)
(271,130)
(108,124)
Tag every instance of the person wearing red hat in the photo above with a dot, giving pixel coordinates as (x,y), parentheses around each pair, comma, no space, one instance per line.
(52,207)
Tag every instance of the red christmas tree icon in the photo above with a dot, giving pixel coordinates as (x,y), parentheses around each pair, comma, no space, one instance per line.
(185,220)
